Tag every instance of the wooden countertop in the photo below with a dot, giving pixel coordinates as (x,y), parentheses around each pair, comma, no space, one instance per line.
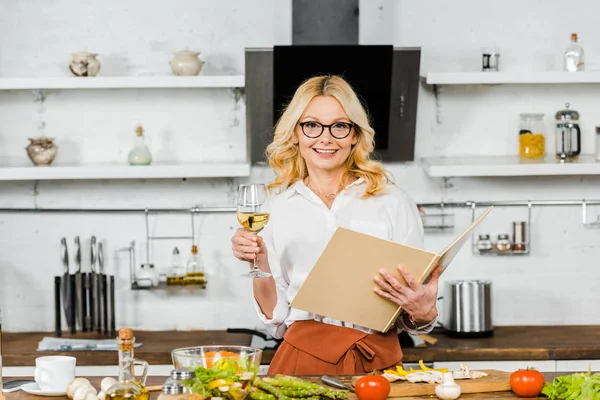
(20,349)
(156,380)
(514,343)
(508,343)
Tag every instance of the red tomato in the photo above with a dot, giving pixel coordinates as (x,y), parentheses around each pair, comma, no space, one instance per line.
(372,387)
(527,382)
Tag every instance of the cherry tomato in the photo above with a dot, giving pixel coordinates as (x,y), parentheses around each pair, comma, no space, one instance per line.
(527,382)
(372,387)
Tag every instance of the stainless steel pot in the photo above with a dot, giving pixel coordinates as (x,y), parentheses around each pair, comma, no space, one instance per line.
(468,308)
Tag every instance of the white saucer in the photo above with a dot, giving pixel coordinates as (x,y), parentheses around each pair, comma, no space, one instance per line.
(33,388)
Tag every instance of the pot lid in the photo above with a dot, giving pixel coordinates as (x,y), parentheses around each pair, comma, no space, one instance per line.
(567,114)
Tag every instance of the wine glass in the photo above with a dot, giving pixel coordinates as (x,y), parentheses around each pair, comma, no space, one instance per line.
(253,215)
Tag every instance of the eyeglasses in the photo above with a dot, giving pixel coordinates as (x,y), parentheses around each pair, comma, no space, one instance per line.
(338,130)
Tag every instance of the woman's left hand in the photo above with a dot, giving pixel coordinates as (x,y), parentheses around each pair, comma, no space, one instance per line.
(418,301)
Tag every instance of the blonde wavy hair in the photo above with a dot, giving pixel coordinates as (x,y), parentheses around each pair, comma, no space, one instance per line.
(284,155)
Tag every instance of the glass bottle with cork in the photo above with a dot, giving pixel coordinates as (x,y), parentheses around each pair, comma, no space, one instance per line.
(139,154)
(195,269)
(127,387)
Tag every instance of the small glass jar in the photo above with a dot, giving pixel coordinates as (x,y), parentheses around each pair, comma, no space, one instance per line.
(532,142)
(503,243)
(178,386)
(484,244)
(172,390)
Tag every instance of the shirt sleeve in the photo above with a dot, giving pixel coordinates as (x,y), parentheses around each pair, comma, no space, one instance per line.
(275,326)
(408,229)
(407,225)
(401,324)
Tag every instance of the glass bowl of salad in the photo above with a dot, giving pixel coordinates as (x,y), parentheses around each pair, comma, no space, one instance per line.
(227,372)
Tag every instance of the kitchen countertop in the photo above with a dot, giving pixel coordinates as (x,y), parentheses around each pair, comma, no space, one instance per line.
(157,380)
(19,349)
(514,343)
(508,343)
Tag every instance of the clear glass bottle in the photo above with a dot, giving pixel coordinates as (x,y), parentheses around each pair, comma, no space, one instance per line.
(176,274)
(127,387)
(574,57)
(195,269)
(532,142)
(140,154)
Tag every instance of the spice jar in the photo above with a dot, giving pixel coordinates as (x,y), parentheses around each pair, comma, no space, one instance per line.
(519,241)
(532,142)
(172,390)
(503,243)
(484,244)
(179,386)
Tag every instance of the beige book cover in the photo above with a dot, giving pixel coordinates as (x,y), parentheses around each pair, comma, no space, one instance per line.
(341,284)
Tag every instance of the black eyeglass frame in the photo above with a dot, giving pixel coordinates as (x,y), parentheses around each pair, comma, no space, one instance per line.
(328,127)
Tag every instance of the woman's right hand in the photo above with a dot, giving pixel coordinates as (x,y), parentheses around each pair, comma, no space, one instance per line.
(247,246)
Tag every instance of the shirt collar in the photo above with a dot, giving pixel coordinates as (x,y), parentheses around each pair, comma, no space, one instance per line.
(300,187)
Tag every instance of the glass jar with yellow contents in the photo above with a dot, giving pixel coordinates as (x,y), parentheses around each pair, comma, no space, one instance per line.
(532,143)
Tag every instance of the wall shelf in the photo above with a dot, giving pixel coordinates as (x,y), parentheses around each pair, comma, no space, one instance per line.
(474,166)
(124,171)
(509,78)
(123,82)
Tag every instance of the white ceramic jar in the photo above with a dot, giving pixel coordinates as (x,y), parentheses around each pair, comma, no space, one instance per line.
(186,63)
(84,64)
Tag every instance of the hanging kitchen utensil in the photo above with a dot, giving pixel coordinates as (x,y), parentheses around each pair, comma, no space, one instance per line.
(66,282)
(78,285)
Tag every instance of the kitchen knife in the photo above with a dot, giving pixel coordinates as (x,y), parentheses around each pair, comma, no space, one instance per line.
(66,281)
(113,329)
(336,383)
(102,320)
(93,295)
(78,285)
(57,310)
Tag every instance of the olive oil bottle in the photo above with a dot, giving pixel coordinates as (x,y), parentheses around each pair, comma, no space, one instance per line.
(194,275)
(127,388)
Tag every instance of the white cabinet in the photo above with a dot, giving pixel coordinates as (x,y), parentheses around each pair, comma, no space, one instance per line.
(577,365)
(508,366)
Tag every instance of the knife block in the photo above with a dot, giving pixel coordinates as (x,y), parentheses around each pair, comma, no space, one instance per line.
(87,302)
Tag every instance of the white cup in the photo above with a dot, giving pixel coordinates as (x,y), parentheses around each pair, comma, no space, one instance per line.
(54,373)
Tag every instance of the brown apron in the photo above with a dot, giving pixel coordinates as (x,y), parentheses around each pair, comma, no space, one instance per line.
(315,348)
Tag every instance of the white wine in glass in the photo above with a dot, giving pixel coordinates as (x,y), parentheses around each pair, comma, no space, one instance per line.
(253,215)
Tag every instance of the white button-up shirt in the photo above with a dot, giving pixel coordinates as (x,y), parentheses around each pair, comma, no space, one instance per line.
(301,225)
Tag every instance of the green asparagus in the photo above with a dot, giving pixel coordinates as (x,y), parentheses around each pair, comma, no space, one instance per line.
(285,387)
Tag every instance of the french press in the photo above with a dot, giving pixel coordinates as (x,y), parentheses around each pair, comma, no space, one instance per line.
(567,134)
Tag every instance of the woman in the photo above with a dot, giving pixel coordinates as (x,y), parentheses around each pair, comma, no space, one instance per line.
(324,179)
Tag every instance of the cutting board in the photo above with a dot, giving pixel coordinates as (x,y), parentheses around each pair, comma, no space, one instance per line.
(496,381)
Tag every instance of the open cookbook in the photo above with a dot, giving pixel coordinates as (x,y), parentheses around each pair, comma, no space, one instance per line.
(340,285)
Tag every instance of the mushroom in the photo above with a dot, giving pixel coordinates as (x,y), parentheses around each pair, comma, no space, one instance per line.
(101,395)
(82,392)
(74,384)
(106,383)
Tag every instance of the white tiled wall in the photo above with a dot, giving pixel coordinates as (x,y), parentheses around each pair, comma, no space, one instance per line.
(556,284)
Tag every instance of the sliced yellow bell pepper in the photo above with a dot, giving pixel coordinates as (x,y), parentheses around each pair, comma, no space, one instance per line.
(219,382)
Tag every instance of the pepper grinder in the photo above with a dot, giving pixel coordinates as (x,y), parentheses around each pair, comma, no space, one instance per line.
(140,154)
